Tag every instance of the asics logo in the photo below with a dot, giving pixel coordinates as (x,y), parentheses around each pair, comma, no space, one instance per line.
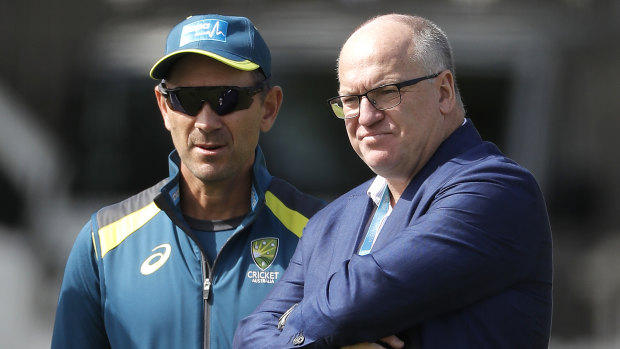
(156,260)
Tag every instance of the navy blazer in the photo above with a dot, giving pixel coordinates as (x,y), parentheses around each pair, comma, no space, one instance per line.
(463,261)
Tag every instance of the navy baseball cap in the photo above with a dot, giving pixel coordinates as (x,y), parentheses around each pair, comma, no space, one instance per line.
(231,40)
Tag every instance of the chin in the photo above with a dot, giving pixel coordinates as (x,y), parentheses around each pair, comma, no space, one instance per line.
(377,159)
(207,173)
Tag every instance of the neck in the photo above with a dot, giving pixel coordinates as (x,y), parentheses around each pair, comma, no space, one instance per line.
(397,185)
(216,200)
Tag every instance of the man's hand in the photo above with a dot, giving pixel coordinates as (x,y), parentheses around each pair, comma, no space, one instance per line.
(390,342)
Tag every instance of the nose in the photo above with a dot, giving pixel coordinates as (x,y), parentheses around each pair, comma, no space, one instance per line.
(368,114)
(207,119)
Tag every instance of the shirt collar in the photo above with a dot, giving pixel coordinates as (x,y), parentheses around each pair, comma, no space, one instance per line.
(376,189)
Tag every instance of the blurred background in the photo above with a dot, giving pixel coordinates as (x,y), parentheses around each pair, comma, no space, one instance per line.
(79,127)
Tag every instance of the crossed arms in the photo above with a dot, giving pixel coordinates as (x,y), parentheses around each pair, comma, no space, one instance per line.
(481,233)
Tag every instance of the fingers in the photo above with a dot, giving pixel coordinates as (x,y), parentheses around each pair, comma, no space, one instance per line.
(393,342)
(364,346)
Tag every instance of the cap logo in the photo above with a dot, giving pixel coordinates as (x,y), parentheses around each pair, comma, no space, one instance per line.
(206,29)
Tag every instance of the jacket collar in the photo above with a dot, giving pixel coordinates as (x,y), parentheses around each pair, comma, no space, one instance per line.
(462,139)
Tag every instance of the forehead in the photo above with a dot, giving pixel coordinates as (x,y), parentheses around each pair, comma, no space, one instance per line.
(199,70)
(376,54)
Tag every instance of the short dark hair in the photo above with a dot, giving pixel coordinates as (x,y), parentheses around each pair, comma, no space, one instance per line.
(258,77)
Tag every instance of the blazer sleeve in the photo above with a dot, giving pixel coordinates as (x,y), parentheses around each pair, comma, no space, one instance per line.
(79,319)
(482,233)
(260,329)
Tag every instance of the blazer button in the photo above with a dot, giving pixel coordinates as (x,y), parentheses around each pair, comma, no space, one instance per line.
(299,339)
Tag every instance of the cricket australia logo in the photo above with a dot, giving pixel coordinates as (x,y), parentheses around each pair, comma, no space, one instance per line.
(264,251)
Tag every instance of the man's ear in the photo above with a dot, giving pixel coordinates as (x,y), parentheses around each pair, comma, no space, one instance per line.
(163,107)
(271,107)
(447,93)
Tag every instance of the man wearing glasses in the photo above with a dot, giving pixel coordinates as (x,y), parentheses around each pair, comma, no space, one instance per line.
(449,246)
(179,264)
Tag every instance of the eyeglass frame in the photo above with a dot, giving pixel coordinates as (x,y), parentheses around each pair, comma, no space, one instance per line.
(399,85)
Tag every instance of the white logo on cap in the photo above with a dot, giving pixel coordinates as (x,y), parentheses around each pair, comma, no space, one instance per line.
(206,29)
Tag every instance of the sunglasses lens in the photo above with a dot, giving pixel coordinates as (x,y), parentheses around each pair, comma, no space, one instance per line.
(226,102)
(222,99)
(187,102)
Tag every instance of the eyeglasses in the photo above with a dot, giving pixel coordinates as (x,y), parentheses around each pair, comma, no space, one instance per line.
(222,99)
(382,98)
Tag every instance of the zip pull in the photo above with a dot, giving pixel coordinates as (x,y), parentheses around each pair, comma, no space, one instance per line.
(205,289)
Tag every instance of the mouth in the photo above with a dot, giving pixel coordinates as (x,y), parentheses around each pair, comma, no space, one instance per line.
(209,148)
(373,135)
(209,145)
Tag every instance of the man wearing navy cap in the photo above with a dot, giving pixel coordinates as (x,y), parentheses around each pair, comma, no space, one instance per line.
(179,264)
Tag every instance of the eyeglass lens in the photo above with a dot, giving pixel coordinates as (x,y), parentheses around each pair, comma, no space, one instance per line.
(382,98)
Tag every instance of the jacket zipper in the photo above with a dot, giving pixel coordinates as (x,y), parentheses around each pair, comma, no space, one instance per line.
(206,283)
(206,270)
(206,289)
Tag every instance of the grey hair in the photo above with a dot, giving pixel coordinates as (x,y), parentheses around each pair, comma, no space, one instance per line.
(432,50)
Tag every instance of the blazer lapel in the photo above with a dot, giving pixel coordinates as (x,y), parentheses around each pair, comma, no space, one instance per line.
(397,220)
(464,138)
(350,229)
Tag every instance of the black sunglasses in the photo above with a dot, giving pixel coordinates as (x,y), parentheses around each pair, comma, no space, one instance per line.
(222,99)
